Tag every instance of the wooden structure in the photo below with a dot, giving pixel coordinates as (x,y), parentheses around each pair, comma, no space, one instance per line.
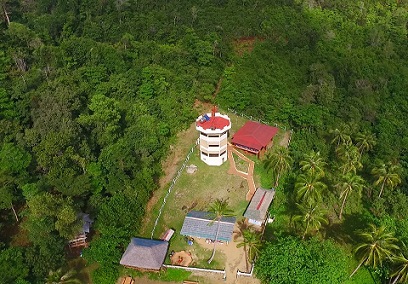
(145,254)
(128,280)
(254,137)
(80,240)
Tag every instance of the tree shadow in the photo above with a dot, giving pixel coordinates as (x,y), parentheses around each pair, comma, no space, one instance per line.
(347,232)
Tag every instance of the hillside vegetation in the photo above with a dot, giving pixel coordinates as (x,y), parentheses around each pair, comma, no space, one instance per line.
(93,92)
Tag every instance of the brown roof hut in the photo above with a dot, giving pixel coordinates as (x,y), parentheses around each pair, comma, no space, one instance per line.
(145,254)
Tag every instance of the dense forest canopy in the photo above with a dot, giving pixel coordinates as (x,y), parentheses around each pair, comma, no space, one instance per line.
(93,92)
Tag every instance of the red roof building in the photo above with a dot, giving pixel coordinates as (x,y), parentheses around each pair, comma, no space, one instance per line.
(254,137)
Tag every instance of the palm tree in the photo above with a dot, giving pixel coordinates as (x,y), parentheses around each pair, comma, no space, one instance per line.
(340,135)
(365,141)
(350,156)
(279,161)
(386,175)
(311,217)
(313,164)
(400,272)
(309,188)
(219,208)
(62,277)
(251,243)
(377,246)
(350,182)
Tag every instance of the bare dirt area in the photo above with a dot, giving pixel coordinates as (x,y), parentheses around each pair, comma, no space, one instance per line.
(245,44)
(173,161)
(285,140)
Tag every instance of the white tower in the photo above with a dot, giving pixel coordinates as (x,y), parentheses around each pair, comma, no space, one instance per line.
(213,128)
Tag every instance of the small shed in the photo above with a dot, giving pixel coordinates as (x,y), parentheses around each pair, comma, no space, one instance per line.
(145,254)
(80,240)
(254,137)
(201,224)
(257,209)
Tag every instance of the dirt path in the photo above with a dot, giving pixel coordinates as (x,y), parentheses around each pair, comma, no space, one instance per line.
(285,140)
(185,140)
(249,176)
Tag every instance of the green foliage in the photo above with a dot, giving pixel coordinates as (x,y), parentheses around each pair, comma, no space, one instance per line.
(290,260)
(12,265)
(171,274)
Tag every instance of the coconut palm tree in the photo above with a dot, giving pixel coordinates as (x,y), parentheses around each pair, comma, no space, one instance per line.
(313,164)
(311,216)
(219,208)
(251,243)
(279,161)
(365,141)
(309,188)
(400,271)
(377,246)
(340,135)
(61,276)
(386,175)
(349,155)
(350,183)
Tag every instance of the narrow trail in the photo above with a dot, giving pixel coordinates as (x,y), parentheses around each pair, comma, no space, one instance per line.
(249,176)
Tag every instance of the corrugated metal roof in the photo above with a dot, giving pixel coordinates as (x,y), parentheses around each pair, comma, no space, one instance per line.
(200,224)
(254,135)
(258,207)
(145,253)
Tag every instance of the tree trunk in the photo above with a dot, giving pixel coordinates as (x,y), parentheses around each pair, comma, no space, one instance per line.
(6,16)
(14,211)
(396,279)
(215,241)
(246,258)
(355,270)
(342,206)
(277,180)
(382,188)
(307,227)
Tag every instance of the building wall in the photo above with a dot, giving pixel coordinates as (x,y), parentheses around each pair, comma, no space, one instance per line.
(213,145)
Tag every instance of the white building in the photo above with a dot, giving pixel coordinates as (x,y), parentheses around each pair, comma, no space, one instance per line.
(213,128)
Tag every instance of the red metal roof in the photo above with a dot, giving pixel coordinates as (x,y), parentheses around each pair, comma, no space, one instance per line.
(254,135)
(216,122)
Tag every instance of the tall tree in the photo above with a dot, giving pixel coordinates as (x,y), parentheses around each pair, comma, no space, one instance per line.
(386,175)
(377,245)
(62,277)
(309,188)
(349,156)
(279,161)
(399,273)
(311,217)
(313,164)
(251,243)
(348,184)
(340,135)
(365,141)
(219,208)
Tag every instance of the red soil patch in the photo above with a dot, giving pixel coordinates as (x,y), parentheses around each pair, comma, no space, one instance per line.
(246,44)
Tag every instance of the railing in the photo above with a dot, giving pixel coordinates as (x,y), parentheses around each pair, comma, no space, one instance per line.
(195,269)
(173,182)
(250,117)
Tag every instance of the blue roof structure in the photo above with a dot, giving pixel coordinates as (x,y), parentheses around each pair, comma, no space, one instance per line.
(201,224)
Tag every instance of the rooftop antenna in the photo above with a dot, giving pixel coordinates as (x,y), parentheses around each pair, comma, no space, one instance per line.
(213,111)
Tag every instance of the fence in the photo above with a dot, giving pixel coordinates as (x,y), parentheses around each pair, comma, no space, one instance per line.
(250,117)
(195,269)
(246,274)
(173,182)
